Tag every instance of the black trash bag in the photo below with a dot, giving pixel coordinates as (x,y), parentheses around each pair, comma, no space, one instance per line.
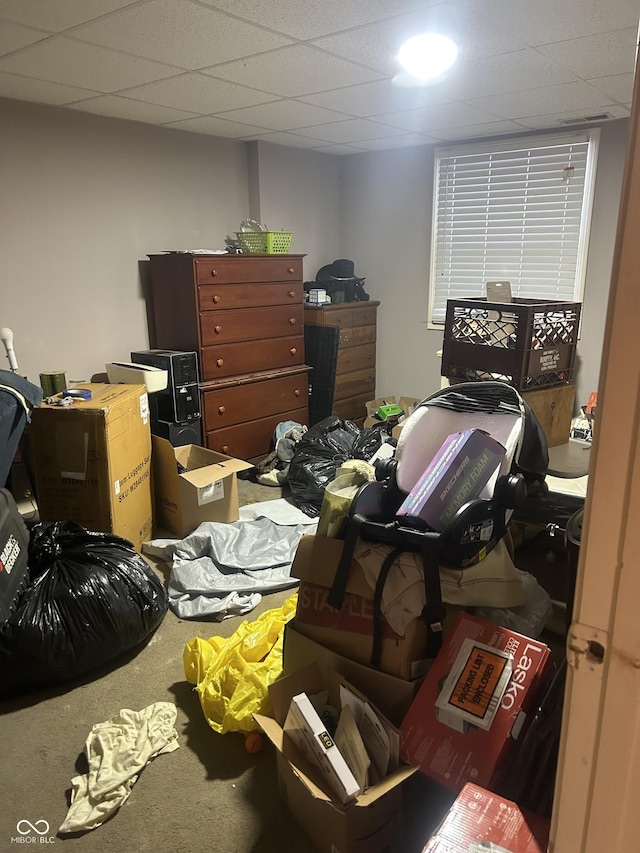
(90,598)
(319,454)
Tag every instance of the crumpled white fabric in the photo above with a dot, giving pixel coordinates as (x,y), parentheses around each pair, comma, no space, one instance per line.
(117,750)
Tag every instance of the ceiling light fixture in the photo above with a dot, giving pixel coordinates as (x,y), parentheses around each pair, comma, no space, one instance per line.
(427,56)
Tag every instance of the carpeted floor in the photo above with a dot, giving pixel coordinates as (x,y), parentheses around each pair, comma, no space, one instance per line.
(208,795)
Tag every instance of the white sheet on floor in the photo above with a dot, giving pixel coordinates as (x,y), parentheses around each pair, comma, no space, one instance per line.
(117,750)
(221,569)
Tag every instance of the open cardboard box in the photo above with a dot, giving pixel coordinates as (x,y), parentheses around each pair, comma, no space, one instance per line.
(206,490)
(372,823)
(407,404)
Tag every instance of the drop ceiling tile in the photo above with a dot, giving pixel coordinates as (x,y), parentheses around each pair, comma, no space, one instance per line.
(39,91)
(284,115)
(57,15)
(478,131)
(549,21)
(339,149)
(305,19)
(15,36)
(443,115)
(215,127)
(596,56)
(292,71)
(196,93)
(381,96)
(290,139)
(64,60)
(117,107)
(377,45)
(508,72)
(545,122)
(619,86)
(179,32)
(351,130)
(546,100)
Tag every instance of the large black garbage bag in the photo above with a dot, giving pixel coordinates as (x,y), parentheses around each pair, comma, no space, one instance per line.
(90,598)
(319,454)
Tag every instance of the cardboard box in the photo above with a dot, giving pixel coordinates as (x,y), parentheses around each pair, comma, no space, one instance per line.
(450,750)
(349,631)
(407,404)
(392,695)
(458,473)
(372,823)
(92,461)
(192,484)
(479,819)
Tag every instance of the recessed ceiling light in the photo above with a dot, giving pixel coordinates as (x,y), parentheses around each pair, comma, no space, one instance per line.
(427,56)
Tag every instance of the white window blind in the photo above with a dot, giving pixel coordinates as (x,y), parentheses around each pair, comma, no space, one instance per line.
(516,211)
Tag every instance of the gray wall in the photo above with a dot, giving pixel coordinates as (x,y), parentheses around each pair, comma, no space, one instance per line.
(386,212)
(86,198)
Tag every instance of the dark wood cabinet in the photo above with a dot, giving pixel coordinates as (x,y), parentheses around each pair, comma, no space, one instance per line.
(355,382)
(243,315)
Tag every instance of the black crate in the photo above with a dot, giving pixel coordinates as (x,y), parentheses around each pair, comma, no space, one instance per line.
(527,343)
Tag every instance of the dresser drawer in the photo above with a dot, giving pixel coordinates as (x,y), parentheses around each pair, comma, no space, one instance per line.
(245,268)
(356,358)
(356,335)
(250,324)
(364,314)
(356,383)
(225,360)
(218,297)
(352,409)
(249,401)
(252,439)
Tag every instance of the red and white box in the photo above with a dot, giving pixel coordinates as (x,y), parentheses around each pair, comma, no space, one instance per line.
(480,821)
(467,680)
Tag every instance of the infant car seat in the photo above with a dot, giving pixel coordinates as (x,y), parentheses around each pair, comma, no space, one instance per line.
(479,524)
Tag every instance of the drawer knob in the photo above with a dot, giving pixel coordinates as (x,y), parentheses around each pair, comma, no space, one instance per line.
(220,362)
(214,273)
(217,329)
(292,294)
(292,321)
(221,410)
(296,393)
(216,299)
(225,449)
(291,270)
(293,350)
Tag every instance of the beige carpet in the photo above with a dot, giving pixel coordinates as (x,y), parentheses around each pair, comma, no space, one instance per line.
(209,795)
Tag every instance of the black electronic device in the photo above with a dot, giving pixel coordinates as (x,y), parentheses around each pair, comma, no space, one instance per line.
(180,402)
(179,434)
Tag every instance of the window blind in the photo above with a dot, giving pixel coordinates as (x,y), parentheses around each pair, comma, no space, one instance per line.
(516,211)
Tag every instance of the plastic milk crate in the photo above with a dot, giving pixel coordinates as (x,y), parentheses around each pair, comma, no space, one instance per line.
(527,343)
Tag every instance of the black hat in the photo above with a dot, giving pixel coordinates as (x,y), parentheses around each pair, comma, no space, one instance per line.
(341,270)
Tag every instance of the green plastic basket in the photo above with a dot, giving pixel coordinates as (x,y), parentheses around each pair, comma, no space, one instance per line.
(264,242)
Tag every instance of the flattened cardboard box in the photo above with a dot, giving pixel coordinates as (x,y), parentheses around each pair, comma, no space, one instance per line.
(92,462)
(349,631)
(480,821)
(447,748)
(372,823)
(192,484)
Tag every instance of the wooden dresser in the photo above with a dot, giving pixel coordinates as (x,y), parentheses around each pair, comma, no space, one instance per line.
(355,381)
(243,315)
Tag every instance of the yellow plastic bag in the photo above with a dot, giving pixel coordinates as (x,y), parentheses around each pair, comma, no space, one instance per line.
(232,674)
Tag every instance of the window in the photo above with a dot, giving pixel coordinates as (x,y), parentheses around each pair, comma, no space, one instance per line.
(517,211)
